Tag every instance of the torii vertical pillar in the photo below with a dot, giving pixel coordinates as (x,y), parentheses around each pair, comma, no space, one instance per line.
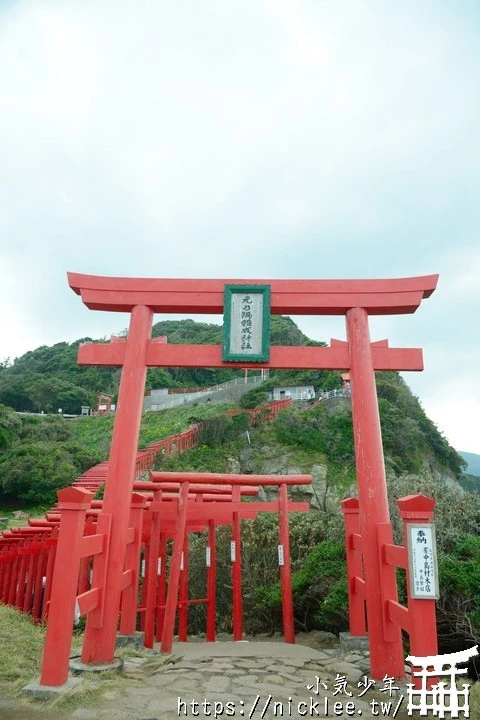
(237,600)
(99,644)
(385,657)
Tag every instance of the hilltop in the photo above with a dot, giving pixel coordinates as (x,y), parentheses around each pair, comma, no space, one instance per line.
(49,378)
(39,455)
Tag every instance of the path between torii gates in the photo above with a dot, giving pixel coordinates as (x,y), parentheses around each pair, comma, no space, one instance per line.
(241,679)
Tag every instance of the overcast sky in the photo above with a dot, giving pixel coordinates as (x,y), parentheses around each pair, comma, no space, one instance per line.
(252,139)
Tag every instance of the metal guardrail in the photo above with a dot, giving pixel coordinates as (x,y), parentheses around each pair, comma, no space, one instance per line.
(328,394)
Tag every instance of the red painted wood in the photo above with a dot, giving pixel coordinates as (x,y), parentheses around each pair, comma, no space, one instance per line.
(298,297)
(233,478)
(211,582)
(424,283)
(99,644)
(162,585)
(281,303)
(359,355)
(421,612)
(31,577)
(183,595)
(174,576)
(385,657)
(132,561)
(285,569)
(150,595)
(73,504)
(388,588)
(193,490)
(356,604)
(281,357)
(237,572)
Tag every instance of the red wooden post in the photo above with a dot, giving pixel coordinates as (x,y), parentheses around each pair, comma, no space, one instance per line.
(356,603)
(151,565)
(99,644)
(20,590)
(38,583)
(52,553)
(421,612)
(237,570)
(162,585)
(128,618)
(9,560)
(174,576)
(3,569)
(285,569)
(84,575)
(183,595)
(211,581)
(27,601)
(385,657)
(13,576)
(73,504)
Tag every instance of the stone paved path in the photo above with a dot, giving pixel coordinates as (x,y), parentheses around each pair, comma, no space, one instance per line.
(240,680)
(227,679)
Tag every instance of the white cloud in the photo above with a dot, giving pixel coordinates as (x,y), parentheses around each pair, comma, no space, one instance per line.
(254,139)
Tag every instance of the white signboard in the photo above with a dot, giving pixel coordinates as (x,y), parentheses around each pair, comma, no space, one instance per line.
(422,561)
(159,566)
(143,569)
(247,324)
(232,551)
(181,562)
(281,559)
(208,557)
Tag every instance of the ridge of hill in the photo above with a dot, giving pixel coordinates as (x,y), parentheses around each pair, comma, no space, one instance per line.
(473,463)
(39,455)
(49,378)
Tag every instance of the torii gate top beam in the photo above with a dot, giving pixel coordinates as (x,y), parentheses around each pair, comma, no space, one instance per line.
(290,297)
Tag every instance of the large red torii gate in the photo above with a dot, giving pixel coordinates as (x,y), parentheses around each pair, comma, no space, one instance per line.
(356,299)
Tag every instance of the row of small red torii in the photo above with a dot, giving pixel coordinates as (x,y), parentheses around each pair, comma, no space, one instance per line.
(356,299)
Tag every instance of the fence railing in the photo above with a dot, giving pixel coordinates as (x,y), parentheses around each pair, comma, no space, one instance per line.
(198,393)
(28,554)
(328,394)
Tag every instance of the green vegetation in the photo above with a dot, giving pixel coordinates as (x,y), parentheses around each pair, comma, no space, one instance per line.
(21,647)
(410,438)
(49,378)
(40,454)
(21,651)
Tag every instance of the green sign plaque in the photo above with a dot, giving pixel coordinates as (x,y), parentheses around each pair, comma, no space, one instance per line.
(247,323)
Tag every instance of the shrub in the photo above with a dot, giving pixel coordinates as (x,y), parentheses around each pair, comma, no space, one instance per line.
(253,398)
(221,429)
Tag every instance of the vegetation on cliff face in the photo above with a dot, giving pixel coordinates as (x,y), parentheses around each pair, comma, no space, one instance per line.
(38,455)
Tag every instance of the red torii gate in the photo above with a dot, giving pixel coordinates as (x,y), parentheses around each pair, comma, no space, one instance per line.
(234,510)
(356,299)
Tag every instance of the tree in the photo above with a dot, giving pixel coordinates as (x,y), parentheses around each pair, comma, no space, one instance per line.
(10,426)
